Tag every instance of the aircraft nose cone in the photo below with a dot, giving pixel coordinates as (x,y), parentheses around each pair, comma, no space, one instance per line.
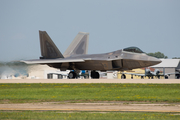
(155,61)
(159,61)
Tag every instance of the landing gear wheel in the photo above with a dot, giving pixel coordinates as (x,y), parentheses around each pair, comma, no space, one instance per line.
(123,76)
(94,75)
(72,75)
(166,77)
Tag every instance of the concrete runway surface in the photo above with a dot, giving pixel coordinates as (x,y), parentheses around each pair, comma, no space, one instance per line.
(96,107)
(159,81)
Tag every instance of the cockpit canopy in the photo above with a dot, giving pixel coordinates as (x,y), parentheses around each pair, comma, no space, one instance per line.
(133,50)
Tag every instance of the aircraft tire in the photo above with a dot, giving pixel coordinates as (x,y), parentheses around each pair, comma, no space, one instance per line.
(72,75)
(123,76)
(94,75)
(166,77)
(97,75)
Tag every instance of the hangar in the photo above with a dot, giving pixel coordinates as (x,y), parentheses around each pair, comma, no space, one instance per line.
(169,66)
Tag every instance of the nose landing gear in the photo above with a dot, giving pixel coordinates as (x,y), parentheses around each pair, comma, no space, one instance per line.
(73,75)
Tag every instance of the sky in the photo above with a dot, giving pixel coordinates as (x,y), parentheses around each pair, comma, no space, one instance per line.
(151,25)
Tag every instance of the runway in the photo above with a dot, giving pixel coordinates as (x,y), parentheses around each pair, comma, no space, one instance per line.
(144,81)
(93,107)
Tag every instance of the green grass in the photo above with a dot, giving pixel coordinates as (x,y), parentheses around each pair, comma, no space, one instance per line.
(56,115)
(16,93)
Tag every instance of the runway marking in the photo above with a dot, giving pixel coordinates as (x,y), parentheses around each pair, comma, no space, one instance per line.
(88,110)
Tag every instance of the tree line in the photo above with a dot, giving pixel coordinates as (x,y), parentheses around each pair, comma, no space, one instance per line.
(160,55)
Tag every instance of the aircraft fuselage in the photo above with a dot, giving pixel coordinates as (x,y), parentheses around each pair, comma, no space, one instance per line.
(117,60)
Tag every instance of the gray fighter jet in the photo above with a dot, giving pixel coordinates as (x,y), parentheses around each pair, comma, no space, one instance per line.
(76,58)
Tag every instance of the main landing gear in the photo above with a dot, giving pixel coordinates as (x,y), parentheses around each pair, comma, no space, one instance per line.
(94,75)
(73,75)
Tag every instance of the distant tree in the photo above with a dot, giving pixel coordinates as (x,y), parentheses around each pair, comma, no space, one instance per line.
(157,55)
(176,58)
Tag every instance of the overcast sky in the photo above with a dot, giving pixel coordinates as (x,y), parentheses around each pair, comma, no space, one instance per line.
(151,25)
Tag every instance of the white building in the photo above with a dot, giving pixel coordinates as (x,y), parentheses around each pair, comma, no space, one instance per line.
(46,72)
(170,66)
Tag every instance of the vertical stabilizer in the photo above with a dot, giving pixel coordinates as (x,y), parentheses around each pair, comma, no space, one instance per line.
(48,48)
(79,45)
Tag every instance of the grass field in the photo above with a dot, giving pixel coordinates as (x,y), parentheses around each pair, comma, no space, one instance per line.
(56,115)
(17,93)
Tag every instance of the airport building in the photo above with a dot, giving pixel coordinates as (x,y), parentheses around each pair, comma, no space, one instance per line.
(18,70)
(169,66)
(46,72)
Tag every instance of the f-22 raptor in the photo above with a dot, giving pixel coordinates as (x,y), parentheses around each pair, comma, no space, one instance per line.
(75,58)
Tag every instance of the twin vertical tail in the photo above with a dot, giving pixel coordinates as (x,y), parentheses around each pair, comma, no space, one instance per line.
(48,48)
(79,45)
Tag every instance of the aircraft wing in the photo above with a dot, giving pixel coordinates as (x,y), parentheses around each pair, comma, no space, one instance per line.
(171,73)
(63,60)
(46,61)
(168,74)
